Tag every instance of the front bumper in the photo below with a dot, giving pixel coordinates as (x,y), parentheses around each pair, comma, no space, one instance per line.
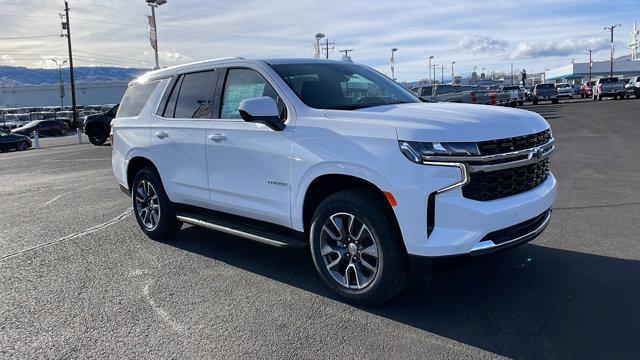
(437,221)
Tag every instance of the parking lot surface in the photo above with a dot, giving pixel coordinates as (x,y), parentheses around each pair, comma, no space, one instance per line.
(78,279)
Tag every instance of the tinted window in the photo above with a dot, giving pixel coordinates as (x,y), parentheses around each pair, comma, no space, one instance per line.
(245,84)
(426,90)
(342,86)
(135,98)
(194,100)
(545,86)
(443,89)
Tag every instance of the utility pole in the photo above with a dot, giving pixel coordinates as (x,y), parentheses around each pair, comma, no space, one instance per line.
(611,28)
(393,74)
(72,79)
(346,56)
(590,62)
(318,50)
(326,48)
(442,67)
(61,92)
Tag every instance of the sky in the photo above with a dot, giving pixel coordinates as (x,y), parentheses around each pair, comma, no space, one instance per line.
(534,35)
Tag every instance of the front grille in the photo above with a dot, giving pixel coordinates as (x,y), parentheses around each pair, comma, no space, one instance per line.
(485,186)
(500,146)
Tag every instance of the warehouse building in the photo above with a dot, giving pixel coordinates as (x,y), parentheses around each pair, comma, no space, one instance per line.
(49,95)
(576,73)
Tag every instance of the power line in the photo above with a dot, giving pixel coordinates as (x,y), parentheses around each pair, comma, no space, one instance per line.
(28,37)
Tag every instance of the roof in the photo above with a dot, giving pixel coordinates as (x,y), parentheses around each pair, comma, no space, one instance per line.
(168,71)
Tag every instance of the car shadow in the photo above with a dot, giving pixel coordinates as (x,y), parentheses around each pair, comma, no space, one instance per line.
(531,302)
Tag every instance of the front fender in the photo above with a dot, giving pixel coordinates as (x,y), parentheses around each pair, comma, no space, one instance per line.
(329,168)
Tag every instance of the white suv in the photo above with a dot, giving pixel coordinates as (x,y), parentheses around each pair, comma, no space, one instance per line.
(334,156)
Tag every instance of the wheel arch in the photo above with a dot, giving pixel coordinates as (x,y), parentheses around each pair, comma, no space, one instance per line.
(136,164)
(329,183)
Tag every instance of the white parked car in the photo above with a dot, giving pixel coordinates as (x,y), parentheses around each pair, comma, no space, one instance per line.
(334,156)
(565,90)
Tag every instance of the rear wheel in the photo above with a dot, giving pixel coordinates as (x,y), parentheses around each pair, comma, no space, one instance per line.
(155,213)
(599,97)
(554,101)
(535,102)
(97,137)
(63,131)
(356,249)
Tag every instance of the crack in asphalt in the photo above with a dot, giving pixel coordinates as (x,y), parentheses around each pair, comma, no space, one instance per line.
(88,231)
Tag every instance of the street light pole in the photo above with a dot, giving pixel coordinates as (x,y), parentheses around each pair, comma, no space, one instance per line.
(590,62)
(430,79)
(393,74)
(61,82)
(153,4)
(452,72)
(442,74)
(611,28)
(318,50)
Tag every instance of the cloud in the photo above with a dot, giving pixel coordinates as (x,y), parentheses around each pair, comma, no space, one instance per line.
(532,50)
(482,45)
(174,57)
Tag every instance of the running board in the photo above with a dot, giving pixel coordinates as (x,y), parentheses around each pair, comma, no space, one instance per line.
(269,234)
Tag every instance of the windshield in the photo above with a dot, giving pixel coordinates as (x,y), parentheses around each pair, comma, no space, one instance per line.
(342,86)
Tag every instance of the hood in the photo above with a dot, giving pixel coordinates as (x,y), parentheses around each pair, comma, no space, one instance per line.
(449,121)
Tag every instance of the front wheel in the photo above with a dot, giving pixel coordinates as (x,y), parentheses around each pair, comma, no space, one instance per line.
(22,146)
(97,137)
(155,213)
(356,248)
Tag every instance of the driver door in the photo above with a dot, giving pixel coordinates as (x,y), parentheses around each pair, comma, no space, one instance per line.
(248,163)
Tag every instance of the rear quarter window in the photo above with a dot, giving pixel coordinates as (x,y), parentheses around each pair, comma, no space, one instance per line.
(135,98)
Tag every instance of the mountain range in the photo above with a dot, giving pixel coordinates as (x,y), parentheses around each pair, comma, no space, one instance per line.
(21,76)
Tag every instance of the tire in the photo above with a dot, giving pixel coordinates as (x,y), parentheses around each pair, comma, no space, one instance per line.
(599,97)
(535,102)
(22,146)
(147,190)
(374,223)
(615,97)
(63,131)
(554,101)
(520,103)
(582,96)
(97,137)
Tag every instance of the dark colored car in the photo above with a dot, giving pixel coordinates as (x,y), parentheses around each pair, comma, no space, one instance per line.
(9,141)
(545,92)
(98,126)
(43,127)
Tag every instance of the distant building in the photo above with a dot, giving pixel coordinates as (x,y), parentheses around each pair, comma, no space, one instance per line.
(579,72)
(49,95)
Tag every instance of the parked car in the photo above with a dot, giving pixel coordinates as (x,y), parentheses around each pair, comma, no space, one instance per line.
(373,181)
(586,90)
(608,87)
(565,90)
(516,96)
(42,115)
(633,87)
(449,93)
(43,127)
(542,92)
(10,141)
(501,97)
(98,126)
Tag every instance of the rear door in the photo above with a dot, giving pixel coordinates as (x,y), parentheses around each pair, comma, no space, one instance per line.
(249,164)
(178,137)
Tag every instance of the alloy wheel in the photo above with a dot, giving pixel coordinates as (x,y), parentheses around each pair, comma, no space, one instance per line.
(147,205)
(349,250)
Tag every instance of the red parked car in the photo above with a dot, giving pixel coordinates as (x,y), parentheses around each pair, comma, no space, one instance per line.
(586,90)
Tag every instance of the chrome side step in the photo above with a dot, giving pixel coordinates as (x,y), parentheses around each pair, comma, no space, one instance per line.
(256,232)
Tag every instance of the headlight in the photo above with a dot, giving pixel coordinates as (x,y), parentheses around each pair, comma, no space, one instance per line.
(415,150)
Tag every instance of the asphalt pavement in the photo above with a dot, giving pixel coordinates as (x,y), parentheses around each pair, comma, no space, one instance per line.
(78,279)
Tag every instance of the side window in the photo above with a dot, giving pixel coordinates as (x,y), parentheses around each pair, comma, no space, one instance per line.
(194,100)
(135,98)
(245,84)
(170,108)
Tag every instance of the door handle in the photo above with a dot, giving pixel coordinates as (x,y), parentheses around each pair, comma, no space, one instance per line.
(161,134)
(218,137)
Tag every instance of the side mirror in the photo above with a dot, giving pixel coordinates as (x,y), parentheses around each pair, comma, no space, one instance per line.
(261,110)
